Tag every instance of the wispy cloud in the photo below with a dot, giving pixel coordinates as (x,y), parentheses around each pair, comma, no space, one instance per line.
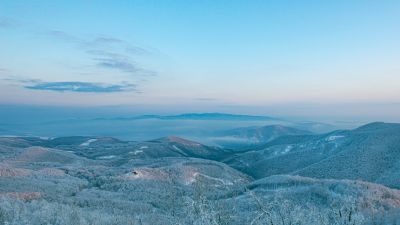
(7,22)
(119,62)
(124,45)
(82,87)
(61,35)
(109,52)
(100,42)
(18,80)
(108,40)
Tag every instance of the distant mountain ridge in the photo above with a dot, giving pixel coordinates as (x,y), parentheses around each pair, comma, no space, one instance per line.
(195,116)
(255,135)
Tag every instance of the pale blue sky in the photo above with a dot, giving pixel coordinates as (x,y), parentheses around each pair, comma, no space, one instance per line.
(201,54)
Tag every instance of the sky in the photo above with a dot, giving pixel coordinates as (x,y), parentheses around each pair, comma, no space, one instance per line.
(308,58)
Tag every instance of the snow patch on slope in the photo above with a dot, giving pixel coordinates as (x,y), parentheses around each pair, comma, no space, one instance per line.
(88,142)
(334,137)
(107,157)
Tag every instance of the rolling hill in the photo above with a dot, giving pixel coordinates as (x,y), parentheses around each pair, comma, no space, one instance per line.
(370,153)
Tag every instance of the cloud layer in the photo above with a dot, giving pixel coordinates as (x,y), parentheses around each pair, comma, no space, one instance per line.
(81,87)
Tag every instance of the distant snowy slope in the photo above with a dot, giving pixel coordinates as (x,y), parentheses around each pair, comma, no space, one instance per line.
(370,153)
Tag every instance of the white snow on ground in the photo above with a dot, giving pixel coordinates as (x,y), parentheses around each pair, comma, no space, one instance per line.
(222,181)
(176,148)
(179,150)
(45,138)
(147,174)
(334,137)
(193,178)
(88,142)
(107,157)
(284,151)
(190,176)
(287,149)
(136,152)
